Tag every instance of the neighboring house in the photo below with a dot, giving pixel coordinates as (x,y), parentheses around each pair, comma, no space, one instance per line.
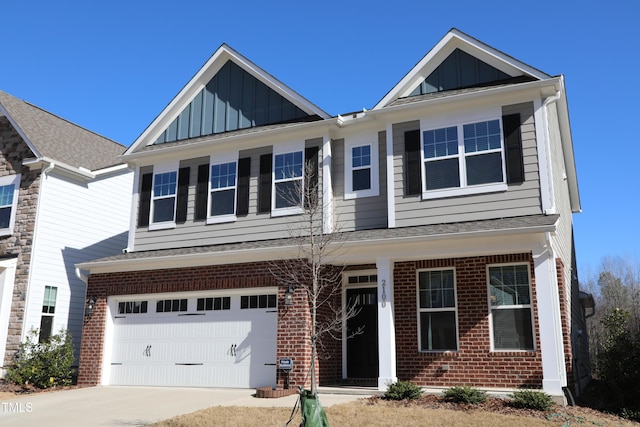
(64,199)
(454,196)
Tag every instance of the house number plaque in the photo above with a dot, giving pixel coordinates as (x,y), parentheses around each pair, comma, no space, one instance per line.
(384,293)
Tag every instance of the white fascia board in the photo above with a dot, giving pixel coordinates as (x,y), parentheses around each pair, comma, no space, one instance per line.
(240,141)
(62,168)
(567,149)
(350,252)
(199,81)
(452,40)
(499,95)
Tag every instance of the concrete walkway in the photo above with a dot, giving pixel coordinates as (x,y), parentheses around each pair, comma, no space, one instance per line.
(138,406)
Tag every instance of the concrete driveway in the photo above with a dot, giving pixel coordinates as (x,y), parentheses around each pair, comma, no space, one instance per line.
(137,406)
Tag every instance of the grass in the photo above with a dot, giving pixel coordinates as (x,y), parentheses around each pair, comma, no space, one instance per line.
(380,413)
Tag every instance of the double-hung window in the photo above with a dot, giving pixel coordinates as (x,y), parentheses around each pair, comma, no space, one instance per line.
(510,305)
(437,310)
(361,168)
(165,184)
(288,180)
(463,158)
(48,310)
(222,187)
(9,187)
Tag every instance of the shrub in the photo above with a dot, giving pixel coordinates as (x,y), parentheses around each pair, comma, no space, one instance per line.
(464,394)
(402,390)
(43,365)
(532,399)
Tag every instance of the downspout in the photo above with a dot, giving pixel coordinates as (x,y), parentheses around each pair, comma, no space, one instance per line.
(34,238)
(552,208)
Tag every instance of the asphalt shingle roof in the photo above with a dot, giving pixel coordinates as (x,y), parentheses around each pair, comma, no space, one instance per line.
(443,230)
(59,139)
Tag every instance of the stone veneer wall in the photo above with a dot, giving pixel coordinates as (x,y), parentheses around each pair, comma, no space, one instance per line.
(13,150)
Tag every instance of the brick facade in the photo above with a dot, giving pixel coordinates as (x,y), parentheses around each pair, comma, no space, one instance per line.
(13,150)
(474,364)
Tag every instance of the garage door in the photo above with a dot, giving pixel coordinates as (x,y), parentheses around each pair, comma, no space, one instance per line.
(212,340)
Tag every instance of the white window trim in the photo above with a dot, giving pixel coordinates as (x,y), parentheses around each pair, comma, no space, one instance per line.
(515,306)
(349,144)
(157,170)
(425,310)
(9,180)
(459,121)
(284,149)
(220,160)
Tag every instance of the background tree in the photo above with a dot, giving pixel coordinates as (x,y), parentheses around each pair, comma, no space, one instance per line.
(614,334)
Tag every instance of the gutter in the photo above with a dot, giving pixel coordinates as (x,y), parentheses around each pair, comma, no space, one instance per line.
(274,253)
(78,173)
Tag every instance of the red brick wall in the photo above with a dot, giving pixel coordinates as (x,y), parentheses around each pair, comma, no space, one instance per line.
(474,364)
(293,322)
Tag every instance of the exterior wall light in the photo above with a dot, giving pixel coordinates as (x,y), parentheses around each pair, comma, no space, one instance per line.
(90,306)
(288,296)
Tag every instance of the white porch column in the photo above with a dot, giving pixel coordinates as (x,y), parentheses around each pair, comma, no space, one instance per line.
(551,345)
(386,328)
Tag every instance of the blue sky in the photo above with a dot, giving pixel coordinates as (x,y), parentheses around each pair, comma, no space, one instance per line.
(112,66)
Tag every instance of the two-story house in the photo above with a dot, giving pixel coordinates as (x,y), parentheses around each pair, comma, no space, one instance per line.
(452,197)
(64,199)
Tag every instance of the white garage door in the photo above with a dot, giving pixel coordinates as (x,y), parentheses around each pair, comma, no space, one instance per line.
(217,340)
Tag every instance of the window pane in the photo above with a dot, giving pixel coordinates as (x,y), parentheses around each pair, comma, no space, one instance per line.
(481,136)
(223,175)
(6,194)
(484,168)
(5,217)
(163,209)
(288,194)
(512,329)
(437,289)
(438,331)
(46,326)
(361,179)
(164,184)
(288,165)
(442,174)
(222,202)
(509,285)
(361,156)
(440,142)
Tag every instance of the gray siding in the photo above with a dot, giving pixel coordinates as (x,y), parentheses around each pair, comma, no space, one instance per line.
(251,227)
(365,212)
(518,200)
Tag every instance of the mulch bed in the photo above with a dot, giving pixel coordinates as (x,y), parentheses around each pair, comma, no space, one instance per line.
(576,414)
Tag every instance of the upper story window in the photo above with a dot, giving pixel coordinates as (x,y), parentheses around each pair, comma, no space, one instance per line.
(9,188)
(511,308)
(465,158)
(222,189)
(361,168)
(288,180)
(437,310)
(164,197)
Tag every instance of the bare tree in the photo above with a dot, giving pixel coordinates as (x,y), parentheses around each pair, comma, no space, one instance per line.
(315,269)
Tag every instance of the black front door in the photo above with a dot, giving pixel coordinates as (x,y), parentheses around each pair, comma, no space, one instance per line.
(362,334)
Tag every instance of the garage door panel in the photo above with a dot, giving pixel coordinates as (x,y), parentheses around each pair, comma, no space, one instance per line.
(225,348)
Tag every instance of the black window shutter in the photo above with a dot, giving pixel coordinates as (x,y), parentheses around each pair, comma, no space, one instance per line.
(244,169)
(183,194)
(145,200)
(264,190)
(513,148)
(311,162)
(202,192)
(413,172)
